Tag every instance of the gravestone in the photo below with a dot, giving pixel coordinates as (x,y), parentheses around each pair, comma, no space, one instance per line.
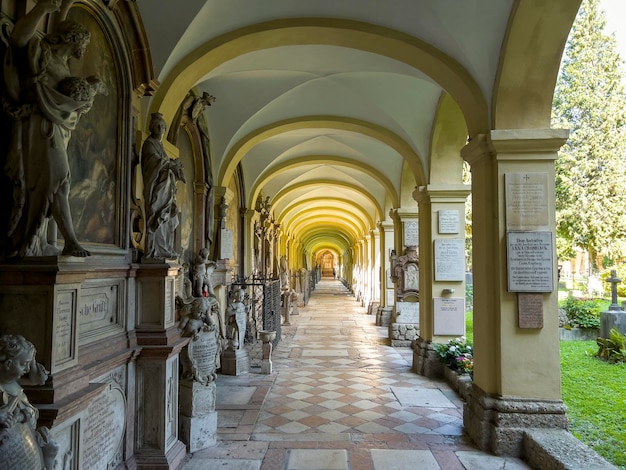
(615,317)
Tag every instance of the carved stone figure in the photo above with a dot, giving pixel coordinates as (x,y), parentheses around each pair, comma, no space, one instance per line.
(22,445)
(236,317)
(202,272)
(45,104)
(160,174)
(284,273)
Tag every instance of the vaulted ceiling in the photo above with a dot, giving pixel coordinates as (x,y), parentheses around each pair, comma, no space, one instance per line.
(337,109)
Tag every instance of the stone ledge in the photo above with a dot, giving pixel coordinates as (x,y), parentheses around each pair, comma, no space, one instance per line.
(557,449)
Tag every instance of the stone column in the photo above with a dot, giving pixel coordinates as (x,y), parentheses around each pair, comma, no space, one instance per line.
(387,297)
(157,445)
(516,370)
(442,281)
(375,270)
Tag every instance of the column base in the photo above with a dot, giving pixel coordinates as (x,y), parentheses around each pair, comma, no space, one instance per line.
(425,359)
(383,316)
(497,424)
(199,432)
(171,460)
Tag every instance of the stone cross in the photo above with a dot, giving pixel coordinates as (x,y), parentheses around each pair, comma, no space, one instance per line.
(614,280)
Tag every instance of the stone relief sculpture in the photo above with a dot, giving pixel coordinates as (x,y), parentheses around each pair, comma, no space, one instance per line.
(160,174)
(22,444)
(45,103)
(237,317)
(284,273)
(203,270)
(201,356)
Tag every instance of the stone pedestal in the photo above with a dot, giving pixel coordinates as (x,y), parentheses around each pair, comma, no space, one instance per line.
(498,424)
(286,307)
(612,319)
(198,418)
(266,362)
(156,441)
(235,362)
(383,317)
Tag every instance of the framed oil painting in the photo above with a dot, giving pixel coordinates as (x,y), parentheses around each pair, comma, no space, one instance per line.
(94,148)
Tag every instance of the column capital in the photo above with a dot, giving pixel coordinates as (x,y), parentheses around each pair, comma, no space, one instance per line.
(223,192)
(442,193)
(385,225)
(404,214)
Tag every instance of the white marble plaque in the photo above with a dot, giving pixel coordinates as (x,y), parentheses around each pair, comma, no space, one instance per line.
(411,233)
(411,277)
(530,262)
(449,221)
(526,201)
(226,244)
(391,297)
(449,259)
(449,316)
(407,312)
(104,426)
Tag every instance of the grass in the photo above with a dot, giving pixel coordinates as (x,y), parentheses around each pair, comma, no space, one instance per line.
(595,394)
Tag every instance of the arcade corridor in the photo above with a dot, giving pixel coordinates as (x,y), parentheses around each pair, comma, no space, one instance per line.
(339,398)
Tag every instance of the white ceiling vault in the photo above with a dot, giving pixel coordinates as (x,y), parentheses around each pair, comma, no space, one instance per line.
(328,104)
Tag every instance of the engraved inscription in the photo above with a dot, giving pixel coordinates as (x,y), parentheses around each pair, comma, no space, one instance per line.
(529,261)
(449,316)
(449,259)
(449,221)
(104,428)
(63,327)
(526,201)
(407,312)
(19,448)
(411,233)
(226,244)
(530,310)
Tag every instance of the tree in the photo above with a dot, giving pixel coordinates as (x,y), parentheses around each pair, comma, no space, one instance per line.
(589,99)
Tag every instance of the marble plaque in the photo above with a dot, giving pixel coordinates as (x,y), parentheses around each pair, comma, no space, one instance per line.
(64,328)
(449,316)
(530,310)
(104,426)
(526,201)
(226,244)
(530,262)
(449,259)
(407,312)
(449,221)
(19,448)
(411,233)
(97,308)
(201,354)
(170,288)
(411,277)
(390,297)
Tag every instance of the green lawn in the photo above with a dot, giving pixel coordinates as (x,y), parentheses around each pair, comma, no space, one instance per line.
(595,394)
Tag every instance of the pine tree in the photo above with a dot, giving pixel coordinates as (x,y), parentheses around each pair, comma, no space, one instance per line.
(589,99)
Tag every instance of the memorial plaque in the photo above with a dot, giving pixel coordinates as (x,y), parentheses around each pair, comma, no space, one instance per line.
(449,259)
(226,244)
(64,328)
(449,316)
(411,277)
(530,310)
(104,426)
(449,221)
(407,312)
(201,356)
(390,297)
(169,301)
(411,233)
(19,448)
(530,262)
(527,201)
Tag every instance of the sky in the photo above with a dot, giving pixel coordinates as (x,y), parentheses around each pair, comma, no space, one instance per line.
(616,21)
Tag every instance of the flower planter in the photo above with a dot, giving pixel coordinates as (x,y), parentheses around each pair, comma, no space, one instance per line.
(578,334)
(460,383)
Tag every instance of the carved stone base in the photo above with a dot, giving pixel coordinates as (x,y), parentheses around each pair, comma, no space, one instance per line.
(383,316)
(172,459)
(266,362)
(198,432)
(425,360)
(196,399)
(235,362)
(497,424)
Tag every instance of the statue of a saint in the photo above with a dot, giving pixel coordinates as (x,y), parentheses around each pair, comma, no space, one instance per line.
(160,174)
(18,418)
(237,317)
(45,104)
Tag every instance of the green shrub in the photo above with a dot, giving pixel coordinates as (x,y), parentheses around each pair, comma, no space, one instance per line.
(581,313)
(457,354)
(612,348)
(621,274)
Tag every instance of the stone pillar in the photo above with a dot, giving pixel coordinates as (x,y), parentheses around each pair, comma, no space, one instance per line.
(387,298)
(516,370)
(442,281)
(156,439)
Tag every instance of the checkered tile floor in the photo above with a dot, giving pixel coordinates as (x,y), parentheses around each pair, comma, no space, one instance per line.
(338,394)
